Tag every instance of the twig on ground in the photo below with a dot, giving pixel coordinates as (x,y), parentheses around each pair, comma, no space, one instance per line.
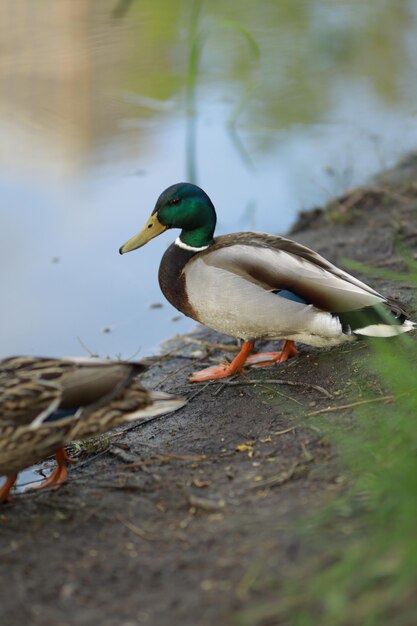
(281,478)
(167,458)
(123,455)
(199,391)
(223,384)
(343,407)
(136,529)
(295,383)
(205,504)
(120,433)
(179,369)
(278,433)
(224,347)
(273,381)
(284,395)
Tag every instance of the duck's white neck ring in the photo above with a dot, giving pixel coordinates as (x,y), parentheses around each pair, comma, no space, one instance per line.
(185,246)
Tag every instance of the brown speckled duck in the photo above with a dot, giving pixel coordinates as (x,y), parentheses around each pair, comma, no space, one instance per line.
(259,286)
(46,403)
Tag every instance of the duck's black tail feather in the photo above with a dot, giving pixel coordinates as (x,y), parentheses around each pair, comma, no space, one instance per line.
(381,320)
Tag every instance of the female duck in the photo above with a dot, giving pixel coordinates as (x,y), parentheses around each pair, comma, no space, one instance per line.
(259,286)
(46,403)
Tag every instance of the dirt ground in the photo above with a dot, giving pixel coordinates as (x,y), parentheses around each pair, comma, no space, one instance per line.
(209,520)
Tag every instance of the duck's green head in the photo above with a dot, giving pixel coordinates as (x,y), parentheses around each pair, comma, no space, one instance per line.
(184,206)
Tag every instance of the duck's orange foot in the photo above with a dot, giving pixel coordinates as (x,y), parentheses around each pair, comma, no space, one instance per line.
(269,358)
(60,473)
(223,371)
(213,373)
(5,488)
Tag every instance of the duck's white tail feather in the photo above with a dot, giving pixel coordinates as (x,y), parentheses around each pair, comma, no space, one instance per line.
(385,330)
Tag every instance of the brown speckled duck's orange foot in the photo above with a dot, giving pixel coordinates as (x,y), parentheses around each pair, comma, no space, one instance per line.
(5,489)
(269,358)
(60,473)
(223,371)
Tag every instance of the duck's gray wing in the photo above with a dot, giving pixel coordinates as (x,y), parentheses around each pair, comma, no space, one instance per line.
(276,263)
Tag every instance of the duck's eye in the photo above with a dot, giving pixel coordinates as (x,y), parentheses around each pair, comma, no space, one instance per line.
(174,201)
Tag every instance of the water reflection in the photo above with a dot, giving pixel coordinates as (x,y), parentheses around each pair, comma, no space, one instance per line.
(289,102)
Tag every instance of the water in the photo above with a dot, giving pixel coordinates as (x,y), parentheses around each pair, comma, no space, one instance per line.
(293,102)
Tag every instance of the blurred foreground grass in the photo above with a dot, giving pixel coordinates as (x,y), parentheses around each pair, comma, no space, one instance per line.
(362,569)
(372,577)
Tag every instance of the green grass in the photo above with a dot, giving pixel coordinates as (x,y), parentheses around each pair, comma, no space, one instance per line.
(362,569)
(360,566)
(373,577)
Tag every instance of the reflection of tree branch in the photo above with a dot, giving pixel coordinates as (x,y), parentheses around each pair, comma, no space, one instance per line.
(232,122)
(193,66)
(239,147)
(191,148)
(194,58)
(121,8)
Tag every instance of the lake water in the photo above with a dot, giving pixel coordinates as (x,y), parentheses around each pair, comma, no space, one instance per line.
(287,104)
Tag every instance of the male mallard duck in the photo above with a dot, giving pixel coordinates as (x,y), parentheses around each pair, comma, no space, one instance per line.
(46,403)
(259,286)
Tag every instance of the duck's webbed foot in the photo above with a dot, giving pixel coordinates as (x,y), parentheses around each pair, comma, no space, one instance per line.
(60,473)
(269,358)
(5,488)
(223,371)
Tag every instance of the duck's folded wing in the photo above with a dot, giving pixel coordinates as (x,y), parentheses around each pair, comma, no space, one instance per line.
(95,381)
(34,390)
(27,402)
(276,263)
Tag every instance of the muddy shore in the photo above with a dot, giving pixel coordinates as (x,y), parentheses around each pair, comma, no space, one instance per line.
(187,519)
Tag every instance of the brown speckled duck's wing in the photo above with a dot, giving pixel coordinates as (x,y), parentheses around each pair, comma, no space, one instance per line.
(31,389)
(133,402)
(42,399)
(96,381)
(46,403)
(23,401)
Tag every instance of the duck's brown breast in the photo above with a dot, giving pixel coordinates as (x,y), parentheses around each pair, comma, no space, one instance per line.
(172,279)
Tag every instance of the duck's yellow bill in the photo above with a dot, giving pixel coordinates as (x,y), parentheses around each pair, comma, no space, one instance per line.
(152,228)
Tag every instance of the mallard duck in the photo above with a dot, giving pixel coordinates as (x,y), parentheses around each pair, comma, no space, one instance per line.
(46,403)
(259,286)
